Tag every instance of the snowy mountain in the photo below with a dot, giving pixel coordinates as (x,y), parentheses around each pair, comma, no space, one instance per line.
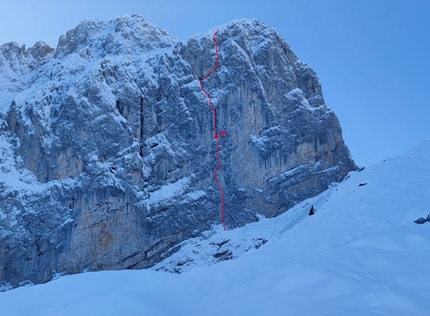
(361,253)
(108,152)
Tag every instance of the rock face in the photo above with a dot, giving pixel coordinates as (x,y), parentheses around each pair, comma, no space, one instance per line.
(107,148)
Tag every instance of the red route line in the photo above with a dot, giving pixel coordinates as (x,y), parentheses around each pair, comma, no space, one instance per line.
(216,136)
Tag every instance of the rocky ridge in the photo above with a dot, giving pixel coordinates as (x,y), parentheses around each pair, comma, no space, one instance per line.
(107,149)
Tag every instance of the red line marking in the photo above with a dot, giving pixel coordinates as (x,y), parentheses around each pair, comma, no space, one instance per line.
(222,133)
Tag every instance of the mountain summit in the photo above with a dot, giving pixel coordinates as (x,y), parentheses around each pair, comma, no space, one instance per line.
(107,148)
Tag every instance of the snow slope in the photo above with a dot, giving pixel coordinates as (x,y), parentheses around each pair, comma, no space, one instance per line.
(360,254)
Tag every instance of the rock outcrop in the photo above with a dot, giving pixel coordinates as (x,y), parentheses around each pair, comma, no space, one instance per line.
(107,149)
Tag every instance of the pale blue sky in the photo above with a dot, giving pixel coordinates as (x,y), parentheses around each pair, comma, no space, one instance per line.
(372,56)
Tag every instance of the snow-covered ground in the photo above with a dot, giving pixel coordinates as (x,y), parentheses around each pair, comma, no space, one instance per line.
(360,254)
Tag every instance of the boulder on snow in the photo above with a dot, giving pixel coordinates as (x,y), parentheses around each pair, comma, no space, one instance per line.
(422,220)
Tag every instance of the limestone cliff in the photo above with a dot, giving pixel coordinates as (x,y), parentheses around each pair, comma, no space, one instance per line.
(107,148)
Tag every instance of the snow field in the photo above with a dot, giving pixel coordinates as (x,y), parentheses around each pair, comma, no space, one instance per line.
(360,254)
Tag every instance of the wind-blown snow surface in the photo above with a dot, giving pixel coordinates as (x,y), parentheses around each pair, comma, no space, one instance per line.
(360,254)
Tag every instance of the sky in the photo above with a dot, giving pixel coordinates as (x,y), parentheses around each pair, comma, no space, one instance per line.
(372,57)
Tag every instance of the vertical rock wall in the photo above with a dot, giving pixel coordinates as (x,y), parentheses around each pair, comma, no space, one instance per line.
(113,149)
